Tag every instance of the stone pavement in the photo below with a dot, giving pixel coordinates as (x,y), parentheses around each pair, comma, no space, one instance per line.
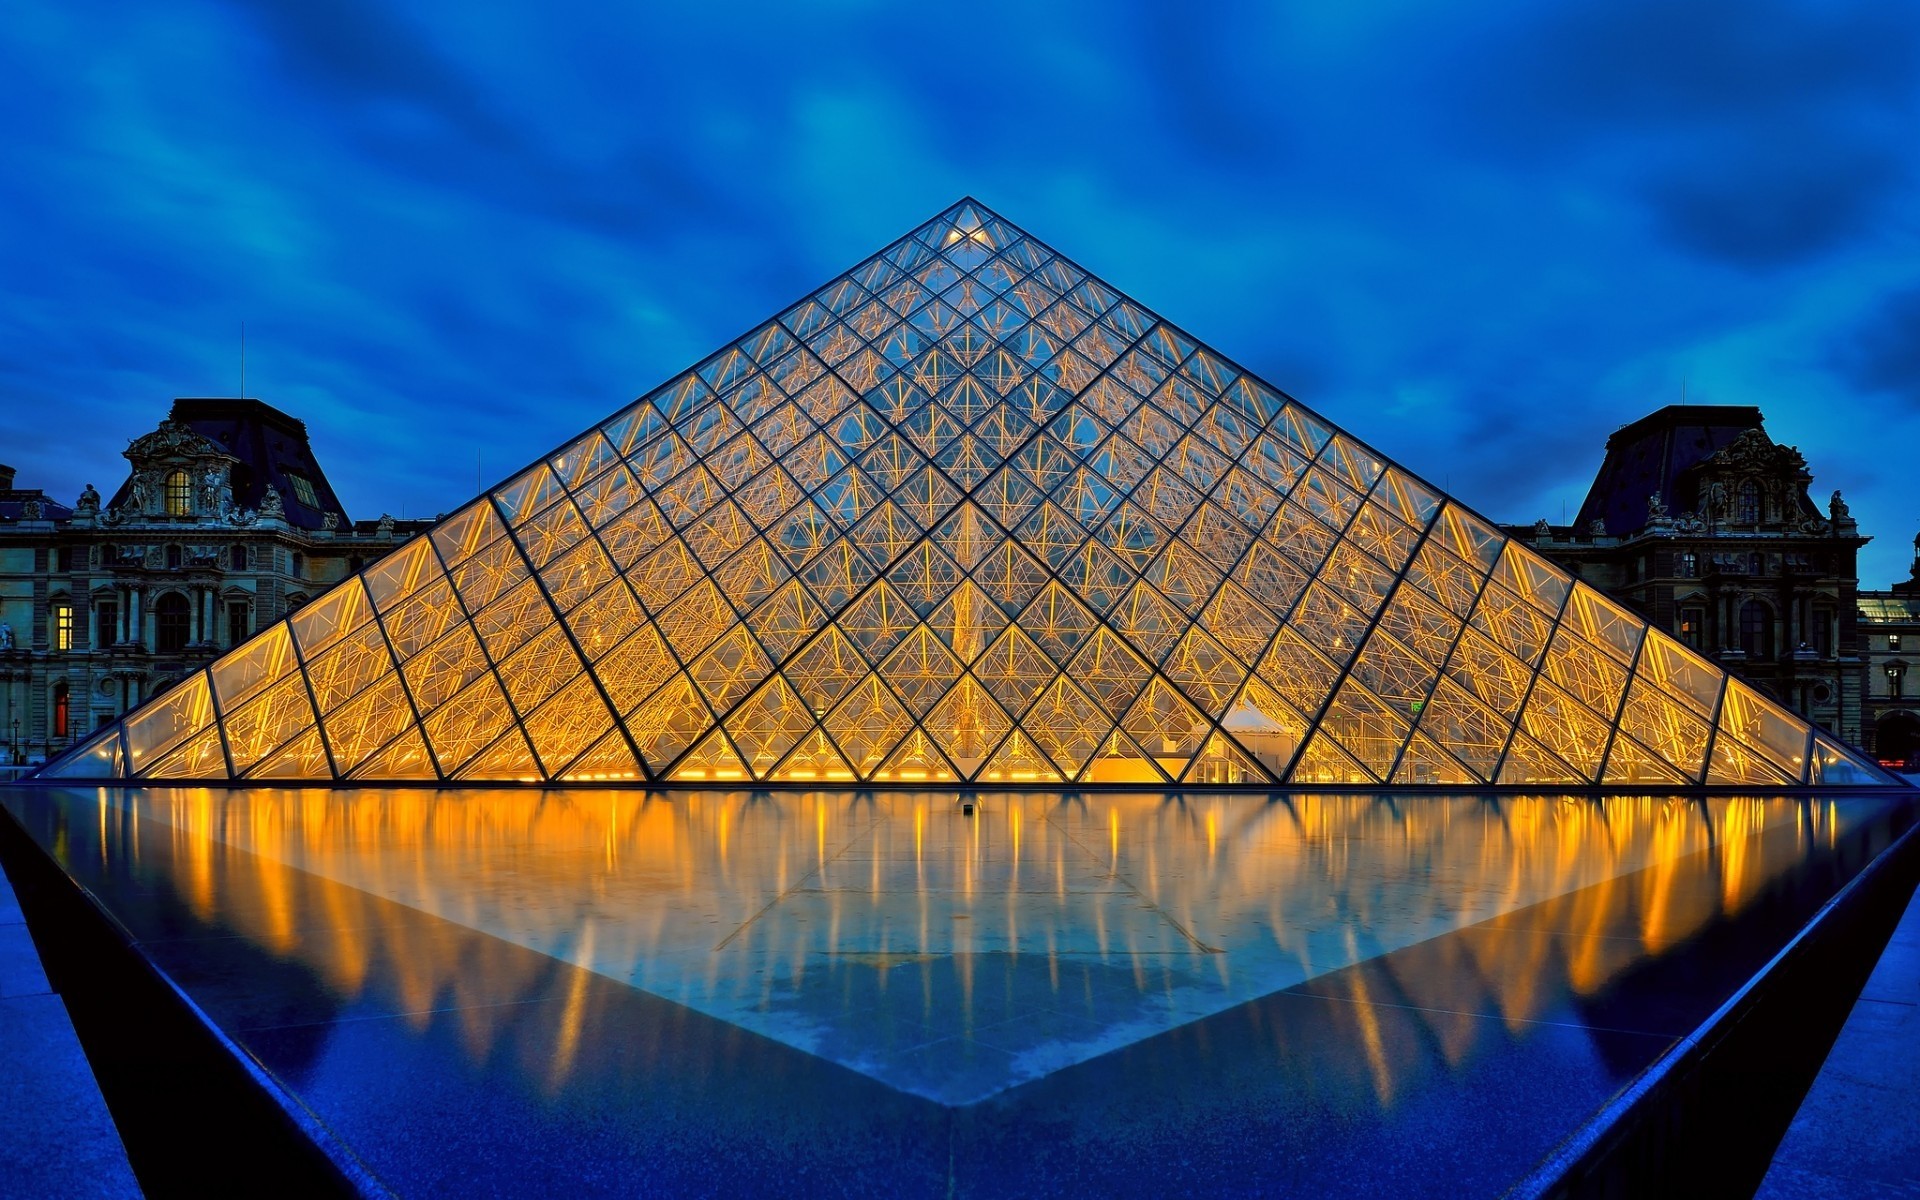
(1858,1131)
(56,1137)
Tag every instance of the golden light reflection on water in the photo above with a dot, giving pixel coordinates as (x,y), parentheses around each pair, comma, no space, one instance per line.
(1180,895)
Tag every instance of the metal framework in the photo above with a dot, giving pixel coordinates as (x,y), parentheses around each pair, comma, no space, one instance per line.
(966,514)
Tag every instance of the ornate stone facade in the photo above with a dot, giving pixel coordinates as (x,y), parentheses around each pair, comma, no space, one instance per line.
(102,604)
(1703,523)
(1890,642)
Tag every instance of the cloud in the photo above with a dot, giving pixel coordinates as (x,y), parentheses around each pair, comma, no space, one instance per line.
(1883,353)
(1775,200)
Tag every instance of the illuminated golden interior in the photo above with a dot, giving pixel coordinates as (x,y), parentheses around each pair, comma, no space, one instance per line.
(966,514)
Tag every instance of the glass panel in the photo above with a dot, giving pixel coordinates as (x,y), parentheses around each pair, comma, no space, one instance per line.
(243,672)
(97,758)
(276,717)
(198,758)
(1630,762)
(167,720)
(611,760)
(394,577)
(1469,731)
(712,759)
(1671,730)
(568,723)
(469,724)
(1832,764)
(667,722)
(444,667)
(1581,667)
(330,618)
(1603,623)
(635,667)
(1541,584)
(304,758)
(508,758)
(365,723)
(1266,725)
(345,669)
(1065,724)
(1575,735)
(1528,762)
(1425,763)
(403,758)
(1680,672)
(1735,764)
(1369,731)
(1764,725)
(968,723)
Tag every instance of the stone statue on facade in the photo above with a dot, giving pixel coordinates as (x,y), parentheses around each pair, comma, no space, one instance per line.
(215,496)
(385,527)
(270,505)
(1837,508)
(1541,530)
(1716,500)
(32,510)
(1656,508)
(1597,528)
(330,521)
(138,495)
(89,502)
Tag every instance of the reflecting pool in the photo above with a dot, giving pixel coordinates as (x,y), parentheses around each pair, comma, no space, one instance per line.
(883,993)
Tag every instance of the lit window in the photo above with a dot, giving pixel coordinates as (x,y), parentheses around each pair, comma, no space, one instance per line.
(62,711)
(1692,626)
(1746,503)
(303,490)
(1893,642)
(179,494)
(1686,564)
(62,625)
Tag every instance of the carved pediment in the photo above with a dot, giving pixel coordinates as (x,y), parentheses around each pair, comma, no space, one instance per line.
(1754,453)
(174,441)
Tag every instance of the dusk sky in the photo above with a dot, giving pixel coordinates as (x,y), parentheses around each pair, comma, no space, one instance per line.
(1480,236)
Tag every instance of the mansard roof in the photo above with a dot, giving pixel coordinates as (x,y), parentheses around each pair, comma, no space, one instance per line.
(967,515)
(1670,451)
(269,447)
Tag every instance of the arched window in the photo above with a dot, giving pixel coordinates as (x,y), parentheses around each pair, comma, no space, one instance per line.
(62,711)
(237,556)
(172,623)
(1746,503)
(1756,629)
(179,494)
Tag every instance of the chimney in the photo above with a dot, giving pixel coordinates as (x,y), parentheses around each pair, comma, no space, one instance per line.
(6,477)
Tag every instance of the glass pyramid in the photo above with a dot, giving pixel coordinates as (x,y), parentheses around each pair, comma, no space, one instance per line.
(966,514)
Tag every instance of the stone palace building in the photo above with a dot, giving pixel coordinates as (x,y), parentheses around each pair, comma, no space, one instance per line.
(224,523)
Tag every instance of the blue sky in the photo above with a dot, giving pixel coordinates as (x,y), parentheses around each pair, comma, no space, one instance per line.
(1479,235)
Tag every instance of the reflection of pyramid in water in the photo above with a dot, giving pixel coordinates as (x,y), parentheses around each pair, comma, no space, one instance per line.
(966,514)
